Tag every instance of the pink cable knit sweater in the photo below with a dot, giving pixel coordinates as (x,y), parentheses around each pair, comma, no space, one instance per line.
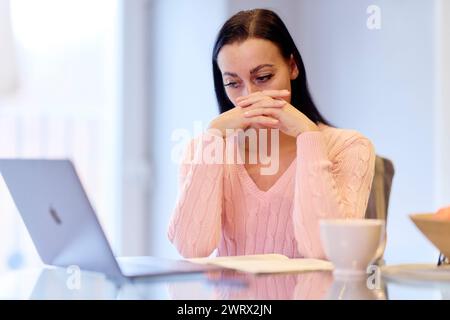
(220,207)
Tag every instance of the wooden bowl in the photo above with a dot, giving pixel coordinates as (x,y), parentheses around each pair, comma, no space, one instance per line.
(436,230)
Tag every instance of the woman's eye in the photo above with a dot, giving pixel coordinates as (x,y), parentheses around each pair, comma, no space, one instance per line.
(231,84)
(264,78)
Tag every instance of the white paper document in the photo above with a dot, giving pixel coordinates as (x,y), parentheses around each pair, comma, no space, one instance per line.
(266,263)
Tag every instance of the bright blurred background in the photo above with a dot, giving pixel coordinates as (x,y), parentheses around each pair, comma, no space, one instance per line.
(106,82)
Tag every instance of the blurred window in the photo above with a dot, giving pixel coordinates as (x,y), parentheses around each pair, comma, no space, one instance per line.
(66,106)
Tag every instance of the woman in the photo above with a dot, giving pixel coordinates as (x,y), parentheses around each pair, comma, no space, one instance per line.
(323,172)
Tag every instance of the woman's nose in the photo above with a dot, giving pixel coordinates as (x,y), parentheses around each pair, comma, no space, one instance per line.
(249,89)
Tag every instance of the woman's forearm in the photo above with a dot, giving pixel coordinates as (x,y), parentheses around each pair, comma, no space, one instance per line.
(195,227)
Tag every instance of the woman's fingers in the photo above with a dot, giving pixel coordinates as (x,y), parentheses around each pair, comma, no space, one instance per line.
(264,120)
(272,112)
(275,94)
(265,102)
(270,93)
(268,104)
(248,100)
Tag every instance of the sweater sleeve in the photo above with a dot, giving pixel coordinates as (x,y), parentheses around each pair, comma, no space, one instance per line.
(329,188)
(195,226)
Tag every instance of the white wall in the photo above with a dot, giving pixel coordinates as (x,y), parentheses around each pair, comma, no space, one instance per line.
(442,131)
(8,67)
(181,83)
(135,150)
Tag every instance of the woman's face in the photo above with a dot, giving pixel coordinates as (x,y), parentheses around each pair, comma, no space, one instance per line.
(254,65)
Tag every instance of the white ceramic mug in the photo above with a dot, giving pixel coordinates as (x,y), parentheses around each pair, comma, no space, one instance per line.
(352,244)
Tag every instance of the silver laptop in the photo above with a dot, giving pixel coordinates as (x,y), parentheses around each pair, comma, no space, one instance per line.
(64,227)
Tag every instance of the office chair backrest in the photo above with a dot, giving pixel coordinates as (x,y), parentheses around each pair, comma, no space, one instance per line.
(377,207)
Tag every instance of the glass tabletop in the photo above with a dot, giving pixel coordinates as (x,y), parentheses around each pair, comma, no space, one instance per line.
(59,283)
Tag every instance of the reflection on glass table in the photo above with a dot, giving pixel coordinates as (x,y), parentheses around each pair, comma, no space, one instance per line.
(60,283)
(231,285)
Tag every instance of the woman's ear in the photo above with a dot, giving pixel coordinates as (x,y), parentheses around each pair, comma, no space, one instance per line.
(293,68)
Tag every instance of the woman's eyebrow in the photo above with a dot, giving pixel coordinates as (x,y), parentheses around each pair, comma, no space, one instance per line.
(231,74)
(254,70)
